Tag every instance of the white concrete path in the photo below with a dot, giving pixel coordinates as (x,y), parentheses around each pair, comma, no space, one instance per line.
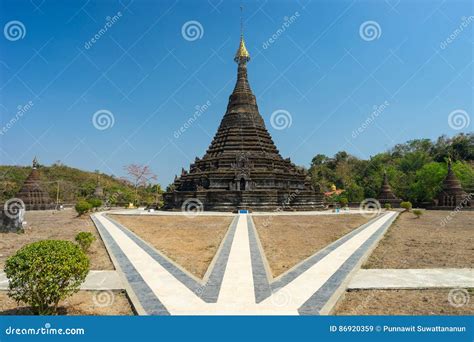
(236,296)
(95,280)
(412,278)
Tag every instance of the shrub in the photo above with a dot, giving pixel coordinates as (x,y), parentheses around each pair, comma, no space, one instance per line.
(85,239)
(343,201)
(95,202)
(387,206)
(406,205)
(43,273)
(417,212)
(82,207)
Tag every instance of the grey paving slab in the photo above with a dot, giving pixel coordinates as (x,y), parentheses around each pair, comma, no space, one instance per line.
(144,294)
(412,278)
(95,280)
(321,297)
(208,291)
(296,271)
(260,276)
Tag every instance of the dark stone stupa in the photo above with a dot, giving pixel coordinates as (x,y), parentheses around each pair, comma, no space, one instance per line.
(452,194)
(386,194)
(32,194)
(242,168)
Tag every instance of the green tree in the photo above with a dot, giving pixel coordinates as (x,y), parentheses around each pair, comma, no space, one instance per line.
(85,240)
(43,273)
(82,207)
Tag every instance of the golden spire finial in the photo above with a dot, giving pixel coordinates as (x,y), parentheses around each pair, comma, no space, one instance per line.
(242,55)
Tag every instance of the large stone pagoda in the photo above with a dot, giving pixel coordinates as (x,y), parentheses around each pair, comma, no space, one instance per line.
(32,193)
(242,168)
(452,194)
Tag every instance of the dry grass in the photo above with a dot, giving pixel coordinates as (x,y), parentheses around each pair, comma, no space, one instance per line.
(424,243)
(401,302)
(55,225)
(287,240)
(81,303)
(190,242)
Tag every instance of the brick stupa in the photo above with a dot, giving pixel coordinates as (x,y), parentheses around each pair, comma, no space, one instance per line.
(386,194)
(242,168)
(452,194)
(32,194)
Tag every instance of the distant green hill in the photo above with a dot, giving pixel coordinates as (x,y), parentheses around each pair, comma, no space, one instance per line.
(415,169)
(74,184)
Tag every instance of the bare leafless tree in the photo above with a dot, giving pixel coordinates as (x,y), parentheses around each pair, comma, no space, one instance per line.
(139,175)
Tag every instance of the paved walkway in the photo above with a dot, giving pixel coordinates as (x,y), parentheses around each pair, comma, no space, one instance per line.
(95,280)
(412,278)
(238,283)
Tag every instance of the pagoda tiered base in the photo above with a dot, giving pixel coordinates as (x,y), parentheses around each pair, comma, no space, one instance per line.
(394,202)
(253,200)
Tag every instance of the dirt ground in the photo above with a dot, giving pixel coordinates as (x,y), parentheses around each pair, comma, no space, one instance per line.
(287,240)
(402,302)
(190,242)
(97,303)
(55,225)
(425,243)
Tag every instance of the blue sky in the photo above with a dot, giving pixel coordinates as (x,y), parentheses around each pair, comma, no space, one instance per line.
(324,71)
